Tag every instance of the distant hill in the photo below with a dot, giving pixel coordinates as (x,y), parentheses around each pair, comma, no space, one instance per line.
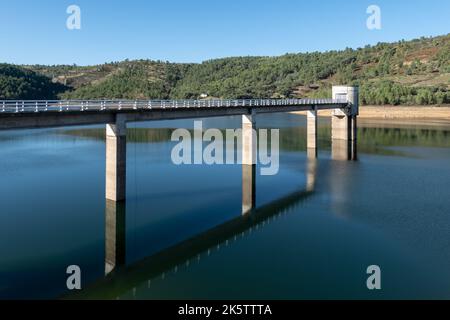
(20,83)
(404,72)
(140,79)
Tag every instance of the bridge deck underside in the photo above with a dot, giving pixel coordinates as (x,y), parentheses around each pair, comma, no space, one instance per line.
(57,118)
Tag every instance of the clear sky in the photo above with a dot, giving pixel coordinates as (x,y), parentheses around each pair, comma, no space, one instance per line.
(34,32)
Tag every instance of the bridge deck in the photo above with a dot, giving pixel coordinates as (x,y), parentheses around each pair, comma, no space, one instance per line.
(16,114)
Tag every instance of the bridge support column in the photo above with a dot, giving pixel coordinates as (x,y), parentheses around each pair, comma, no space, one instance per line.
(311,133)
(114,235)
(343,137)
(344,125)
(248,162)
(116,142)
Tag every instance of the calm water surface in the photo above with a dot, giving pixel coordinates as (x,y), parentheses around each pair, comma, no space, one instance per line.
(316,228)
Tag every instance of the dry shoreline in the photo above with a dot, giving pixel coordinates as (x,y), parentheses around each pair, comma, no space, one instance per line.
(400,112)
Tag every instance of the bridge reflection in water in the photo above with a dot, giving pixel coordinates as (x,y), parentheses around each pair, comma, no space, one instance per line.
(120,278)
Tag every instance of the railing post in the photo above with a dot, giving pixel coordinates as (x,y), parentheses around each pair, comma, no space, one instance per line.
(17,107)
(37,108)
(3,106)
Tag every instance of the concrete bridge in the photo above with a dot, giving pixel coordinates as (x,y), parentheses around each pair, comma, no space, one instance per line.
(116,113)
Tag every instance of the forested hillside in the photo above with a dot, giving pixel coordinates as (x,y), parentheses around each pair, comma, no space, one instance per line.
(405,72)
(413,72)
(20,83)
(140,79)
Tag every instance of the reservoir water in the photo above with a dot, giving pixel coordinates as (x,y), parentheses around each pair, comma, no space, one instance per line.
(316,228)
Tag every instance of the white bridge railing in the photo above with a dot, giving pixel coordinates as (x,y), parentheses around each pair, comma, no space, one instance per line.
(27,106)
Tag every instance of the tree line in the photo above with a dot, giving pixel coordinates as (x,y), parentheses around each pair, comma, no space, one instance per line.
(387,73)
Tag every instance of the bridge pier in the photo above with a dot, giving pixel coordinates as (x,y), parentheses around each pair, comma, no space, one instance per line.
(311,133)
(344,125)
(116,142)
(249,145)
(114,235)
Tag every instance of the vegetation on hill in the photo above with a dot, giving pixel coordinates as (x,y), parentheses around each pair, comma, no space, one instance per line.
(136,80)
(20,83)
(382,71)
(140,79)
(405,72)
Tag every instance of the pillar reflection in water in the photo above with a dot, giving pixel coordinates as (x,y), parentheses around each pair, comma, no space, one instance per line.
(340,186)
(114,235)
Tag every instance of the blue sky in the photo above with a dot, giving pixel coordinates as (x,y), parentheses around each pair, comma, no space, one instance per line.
(34,32)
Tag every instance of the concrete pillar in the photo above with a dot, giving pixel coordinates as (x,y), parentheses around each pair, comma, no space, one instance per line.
(311,133)
(249,142)
(344,125)
(249,145)
(114,235)
(116,154)
(248,187)
(353,138)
